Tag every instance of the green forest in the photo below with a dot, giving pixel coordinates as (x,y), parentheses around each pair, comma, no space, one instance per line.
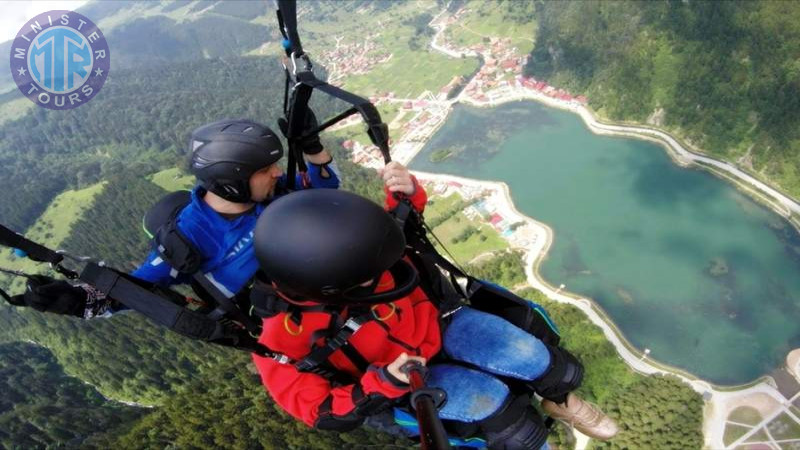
(41,406)
(724,76)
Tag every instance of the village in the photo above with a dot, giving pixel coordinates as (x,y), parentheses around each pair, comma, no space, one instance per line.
(498,80)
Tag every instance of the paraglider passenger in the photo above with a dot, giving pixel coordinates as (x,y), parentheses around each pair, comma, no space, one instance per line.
(339,260)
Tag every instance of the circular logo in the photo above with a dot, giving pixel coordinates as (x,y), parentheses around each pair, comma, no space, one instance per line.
(60,59)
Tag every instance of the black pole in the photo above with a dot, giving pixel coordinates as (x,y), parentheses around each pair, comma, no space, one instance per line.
(425,399)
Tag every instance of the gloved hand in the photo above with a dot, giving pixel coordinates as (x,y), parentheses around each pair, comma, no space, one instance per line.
(47,294)
(309,145)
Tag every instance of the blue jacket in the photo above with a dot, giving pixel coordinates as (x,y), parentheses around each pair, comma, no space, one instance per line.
(226,244)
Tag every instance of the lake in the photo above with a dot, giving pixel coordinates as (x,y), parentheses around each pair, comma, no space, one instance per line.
(684,263)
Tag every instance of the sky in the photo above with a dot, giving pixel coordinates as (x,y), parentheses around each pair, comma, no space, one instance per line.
(14,14)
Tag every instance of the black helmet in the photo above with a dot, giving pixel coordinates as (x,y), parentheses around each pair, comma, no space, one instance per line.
(322,244)
(226,153)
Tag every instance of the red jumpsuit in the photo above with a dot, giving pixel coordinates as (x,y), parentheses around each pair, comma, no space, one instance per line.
(410,325)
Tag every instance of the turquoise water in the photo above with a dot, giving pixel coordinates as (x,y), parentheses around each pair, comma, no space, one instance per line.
(684,264)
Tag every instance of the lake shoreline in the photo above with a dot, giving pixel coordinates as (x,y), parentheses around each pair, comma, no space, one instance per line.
(781,203)
(535,257)
(719,400)
(717,397)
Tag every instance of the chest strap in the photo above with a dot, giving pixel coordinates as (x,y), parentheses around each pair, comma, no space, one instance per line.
(320,355)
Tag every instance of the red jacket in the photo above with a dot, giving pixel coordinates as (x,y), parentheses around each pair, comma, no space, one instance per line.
(409,325)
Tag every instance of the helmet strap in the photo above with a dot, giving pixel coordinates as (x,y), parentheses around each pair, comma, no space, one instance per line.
(236,191)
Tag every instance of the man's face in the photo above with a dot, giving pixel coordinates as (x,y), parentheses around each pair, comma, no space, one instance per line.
(262,183)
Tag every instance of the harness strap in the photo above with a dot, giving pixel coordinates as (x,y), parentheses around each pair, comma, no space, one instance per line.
(224,304)
(266,302)
(377,130)
(135,294)
(449,291)
(36,252)
(320,355)
(129,291)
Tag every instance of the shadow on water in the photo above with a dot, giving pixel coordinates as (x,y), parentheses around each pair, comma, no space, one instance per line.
(682,247)
(573,263)
(658,183)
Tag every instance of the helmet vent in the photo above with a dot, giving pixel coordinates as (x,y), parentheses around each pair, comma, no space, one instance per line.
(247,129)
(196,144)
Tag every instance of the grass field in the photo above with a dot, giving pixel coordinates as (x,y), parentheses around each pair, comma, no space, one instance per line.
(437,205)
(172,180)
(734,432)
(51,229)
(759,436)
(485,240)
(354,133)
(745,414)
(487,19)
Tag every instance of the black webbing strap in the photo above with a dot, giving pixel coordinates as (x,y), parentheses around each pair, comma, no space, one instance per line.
(224,304)
(128,290)
(449,292)
(287,20)
(265,302)
(319,356)
(136,295)
(304,83)
(296,119)
(35,251)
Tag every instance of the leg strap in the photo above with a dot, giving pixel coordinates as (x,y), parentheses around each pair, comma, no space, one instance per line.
(564,375)
(516,426)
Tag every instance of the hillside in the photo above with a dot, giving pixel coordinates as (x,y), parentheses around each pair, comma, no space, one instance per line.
(147,33)
(41,406)
(724,76)
(144,136)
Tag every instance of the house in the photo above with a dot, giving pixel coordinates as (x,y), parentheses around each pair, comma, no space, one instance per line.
(508,64)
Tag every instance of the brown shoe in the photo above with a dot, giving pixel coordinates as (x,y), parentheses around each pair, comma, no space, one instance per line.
(585,417)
